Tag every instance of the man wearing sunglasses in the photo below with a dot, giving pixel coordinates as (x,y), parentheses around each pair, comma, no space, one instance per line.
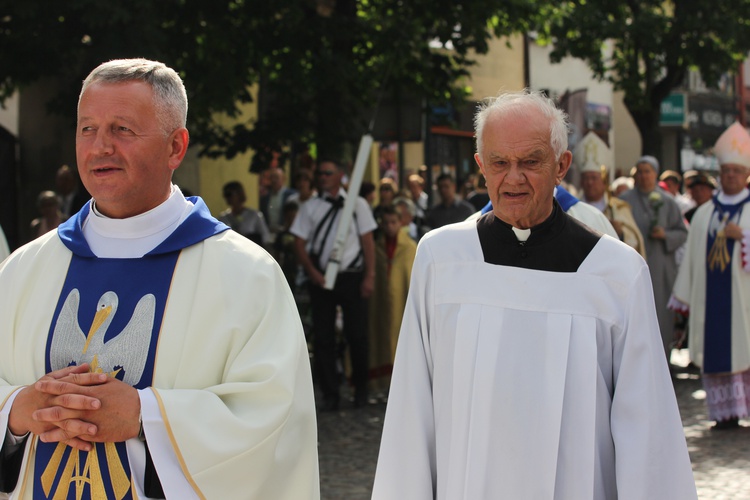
(315,229)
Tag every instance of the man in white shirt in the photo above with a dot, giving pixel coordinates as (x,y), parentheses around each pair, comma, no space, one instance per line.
(147,352)
(315,229)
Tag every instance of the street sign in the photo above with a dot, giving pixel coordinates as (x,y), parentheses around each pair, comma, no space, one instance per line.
(674,110)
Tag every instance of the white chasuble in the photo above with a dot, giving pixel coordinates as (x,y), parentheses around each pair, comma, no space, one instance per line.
(228,367)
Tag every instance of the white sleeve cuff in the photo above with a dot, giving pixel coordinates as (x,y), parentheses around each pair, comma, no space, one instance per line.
(173,481)
(11,442)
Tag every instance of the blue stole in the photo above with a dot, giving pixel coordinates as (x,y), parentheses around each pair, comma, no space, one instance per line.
(717,343)
(563,197)
(109,315)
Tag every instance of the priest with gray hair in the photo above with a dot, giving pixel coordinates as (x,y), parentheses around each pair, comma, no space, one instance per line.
(148,351)
(529,362)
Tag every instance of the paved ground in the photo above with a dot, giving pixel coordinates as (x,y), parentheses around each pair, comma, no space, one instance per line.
(349,441)
(721,459)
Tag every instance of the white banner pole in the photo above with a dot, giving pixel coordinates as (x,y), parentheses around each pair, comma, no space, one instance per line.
(360,163)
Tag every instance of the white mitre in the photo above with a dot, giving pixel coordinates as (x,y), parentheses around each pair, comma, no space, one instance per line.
(591,154)
(733,146)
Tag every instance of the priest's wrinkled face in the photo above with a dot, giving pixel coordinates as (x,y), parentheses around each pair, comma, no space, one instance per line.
(520,166)
(125,158)
(733,178)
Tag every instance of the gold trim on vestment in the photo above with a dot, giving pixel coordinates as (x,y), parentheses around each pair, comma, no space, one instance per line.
(719,254)
(176,448)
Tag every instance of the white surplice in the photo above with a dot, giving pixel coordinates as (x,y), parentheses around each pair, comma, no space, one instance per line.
(514,383)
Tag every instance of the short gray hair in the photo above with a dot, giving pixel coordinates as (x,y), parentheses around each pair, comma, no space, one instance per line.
(170,98)
(517,103)
(406,202)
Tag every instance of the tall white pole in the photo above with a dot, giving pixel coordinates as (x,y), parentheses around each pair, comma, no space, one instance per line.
(334,262)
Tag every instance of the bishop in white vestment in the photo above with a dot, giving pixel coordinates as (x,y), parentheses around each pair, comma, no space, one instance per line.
(713,285)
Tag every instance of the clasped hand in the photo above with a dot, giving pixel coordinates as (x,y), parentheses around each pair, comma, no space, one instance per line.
(77,408)
(733,231)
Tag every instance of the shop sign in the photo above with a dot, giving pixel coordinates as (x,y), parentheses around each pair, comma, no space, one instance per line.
(673,110)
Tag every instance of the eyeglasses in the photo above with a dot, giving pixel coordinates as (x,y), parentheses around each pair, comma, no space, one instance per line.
(326,172)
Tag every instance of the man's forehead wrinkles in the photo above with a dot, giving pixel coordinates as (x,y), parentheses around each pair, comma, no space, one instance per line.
(117,117)
(518,153)
(502,141)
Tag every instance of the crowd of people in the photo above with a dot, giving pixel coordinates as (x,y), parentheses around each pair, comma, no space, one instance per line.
(453,309)
(691,230)
(649,210)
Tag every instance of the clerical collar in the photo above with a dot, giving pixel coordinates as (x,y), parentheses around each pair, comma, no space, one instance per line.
(733,199)
(559,244)
(135,236)
(521,234)
(533,234)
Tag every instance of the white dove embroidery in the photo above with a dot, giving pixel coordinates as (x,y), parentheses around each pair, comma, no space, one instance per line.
(127,351)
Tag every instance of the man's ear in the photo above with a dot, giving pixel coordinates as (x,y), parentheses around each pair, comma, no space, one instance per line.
(478,159)
(563,164)
(178,143)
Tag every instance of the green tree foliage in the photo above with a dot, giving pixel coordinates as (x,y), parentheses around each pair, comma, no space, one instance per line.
(330,68)
(322,64)
(207,41)
(646,47)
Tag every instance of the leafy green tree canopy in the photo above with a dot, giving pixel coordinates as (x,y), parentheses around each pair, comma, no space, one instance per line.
(646,47)
(321,64)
